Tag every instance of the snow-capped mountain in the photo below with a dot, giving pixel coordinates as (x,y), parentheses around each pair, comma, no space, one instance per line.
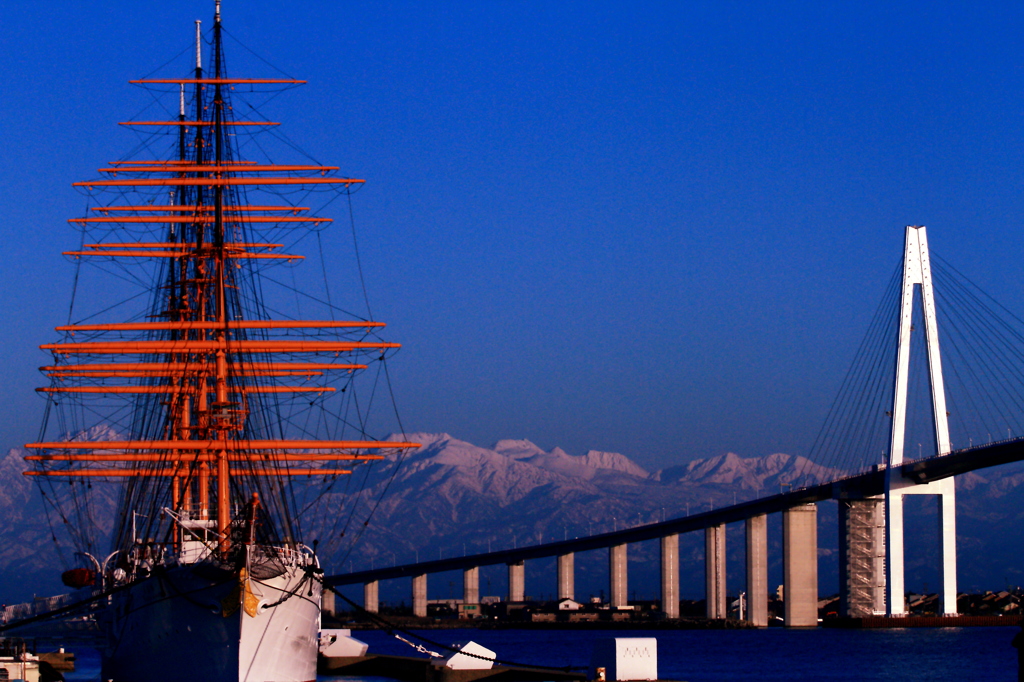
(451,497)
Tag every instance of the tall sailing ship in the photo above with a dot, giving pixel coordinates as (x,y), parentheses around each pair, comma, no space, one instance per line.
(213,409)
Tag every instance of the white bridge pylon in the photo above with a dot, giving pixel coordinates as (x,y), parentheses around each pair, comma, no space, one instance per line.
(917,271)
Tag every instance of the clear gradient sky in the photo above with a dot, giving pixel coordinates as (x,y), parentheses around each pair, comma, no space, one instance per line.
(654,228)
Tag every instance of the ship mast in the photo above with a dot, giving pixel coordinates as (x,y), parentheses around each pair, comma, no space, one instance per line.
(202,413)
(180,405)
(222,421)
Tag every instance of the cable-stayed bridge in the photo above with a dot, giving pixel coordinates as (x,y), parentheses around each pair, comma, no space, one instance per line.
(896,393)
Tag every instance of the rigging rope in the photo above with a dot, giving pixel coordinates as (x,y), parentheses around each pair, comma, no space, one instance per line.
(392,629)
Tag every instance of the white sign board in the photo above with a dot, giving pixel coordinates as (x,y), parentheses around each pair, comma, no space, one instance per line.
(625,658)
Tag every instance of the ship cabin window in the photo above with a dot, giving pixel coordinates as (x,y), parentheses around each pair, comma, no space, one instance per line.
(4,673)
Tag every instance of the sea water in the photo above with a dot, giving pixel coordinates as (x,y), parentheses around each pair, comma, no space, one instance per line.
(941,654)
(769,654)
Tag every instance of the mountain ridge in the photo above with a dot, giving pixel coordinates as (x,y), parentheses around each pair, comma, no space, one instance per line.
(451,497)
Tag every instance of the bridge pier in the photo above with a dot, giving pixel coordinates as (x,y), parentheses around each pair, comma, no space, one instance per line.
(861,557)
(471,585)
(714,571)
(370,601)
(517,581)
(800,565)
(670,575)
(757,570)
(947,535)
(566,576)
(617,578)
(893,534)
(419,595)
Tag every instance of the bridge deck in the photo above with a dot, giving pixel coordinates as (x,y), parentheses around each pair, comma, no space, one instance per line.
(861,485)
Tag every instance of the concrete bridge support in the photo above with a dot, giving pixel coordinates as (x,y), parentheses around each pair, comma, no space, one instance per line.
(618,581)
(800,565)
(566,576)
(861,557)
(757,570)
(517,581)
(946,492)
(670,575)
(419,595)
(471,585)
(714,571)
(370,601)
(947,541)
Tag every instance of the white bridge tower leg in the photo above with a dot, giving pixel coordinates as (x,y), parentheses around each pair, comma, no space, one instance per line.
(917,270)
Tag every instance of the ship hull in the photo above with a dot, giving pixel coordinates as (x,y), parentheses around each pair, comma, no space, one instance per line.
(190,622)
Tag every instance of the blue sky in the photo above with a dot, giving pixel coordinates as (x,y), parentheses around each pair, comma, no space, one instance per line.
(657,229)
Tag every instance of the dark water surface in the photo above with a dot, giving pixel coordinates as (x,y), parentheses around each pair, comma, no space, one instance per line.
(715,655)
